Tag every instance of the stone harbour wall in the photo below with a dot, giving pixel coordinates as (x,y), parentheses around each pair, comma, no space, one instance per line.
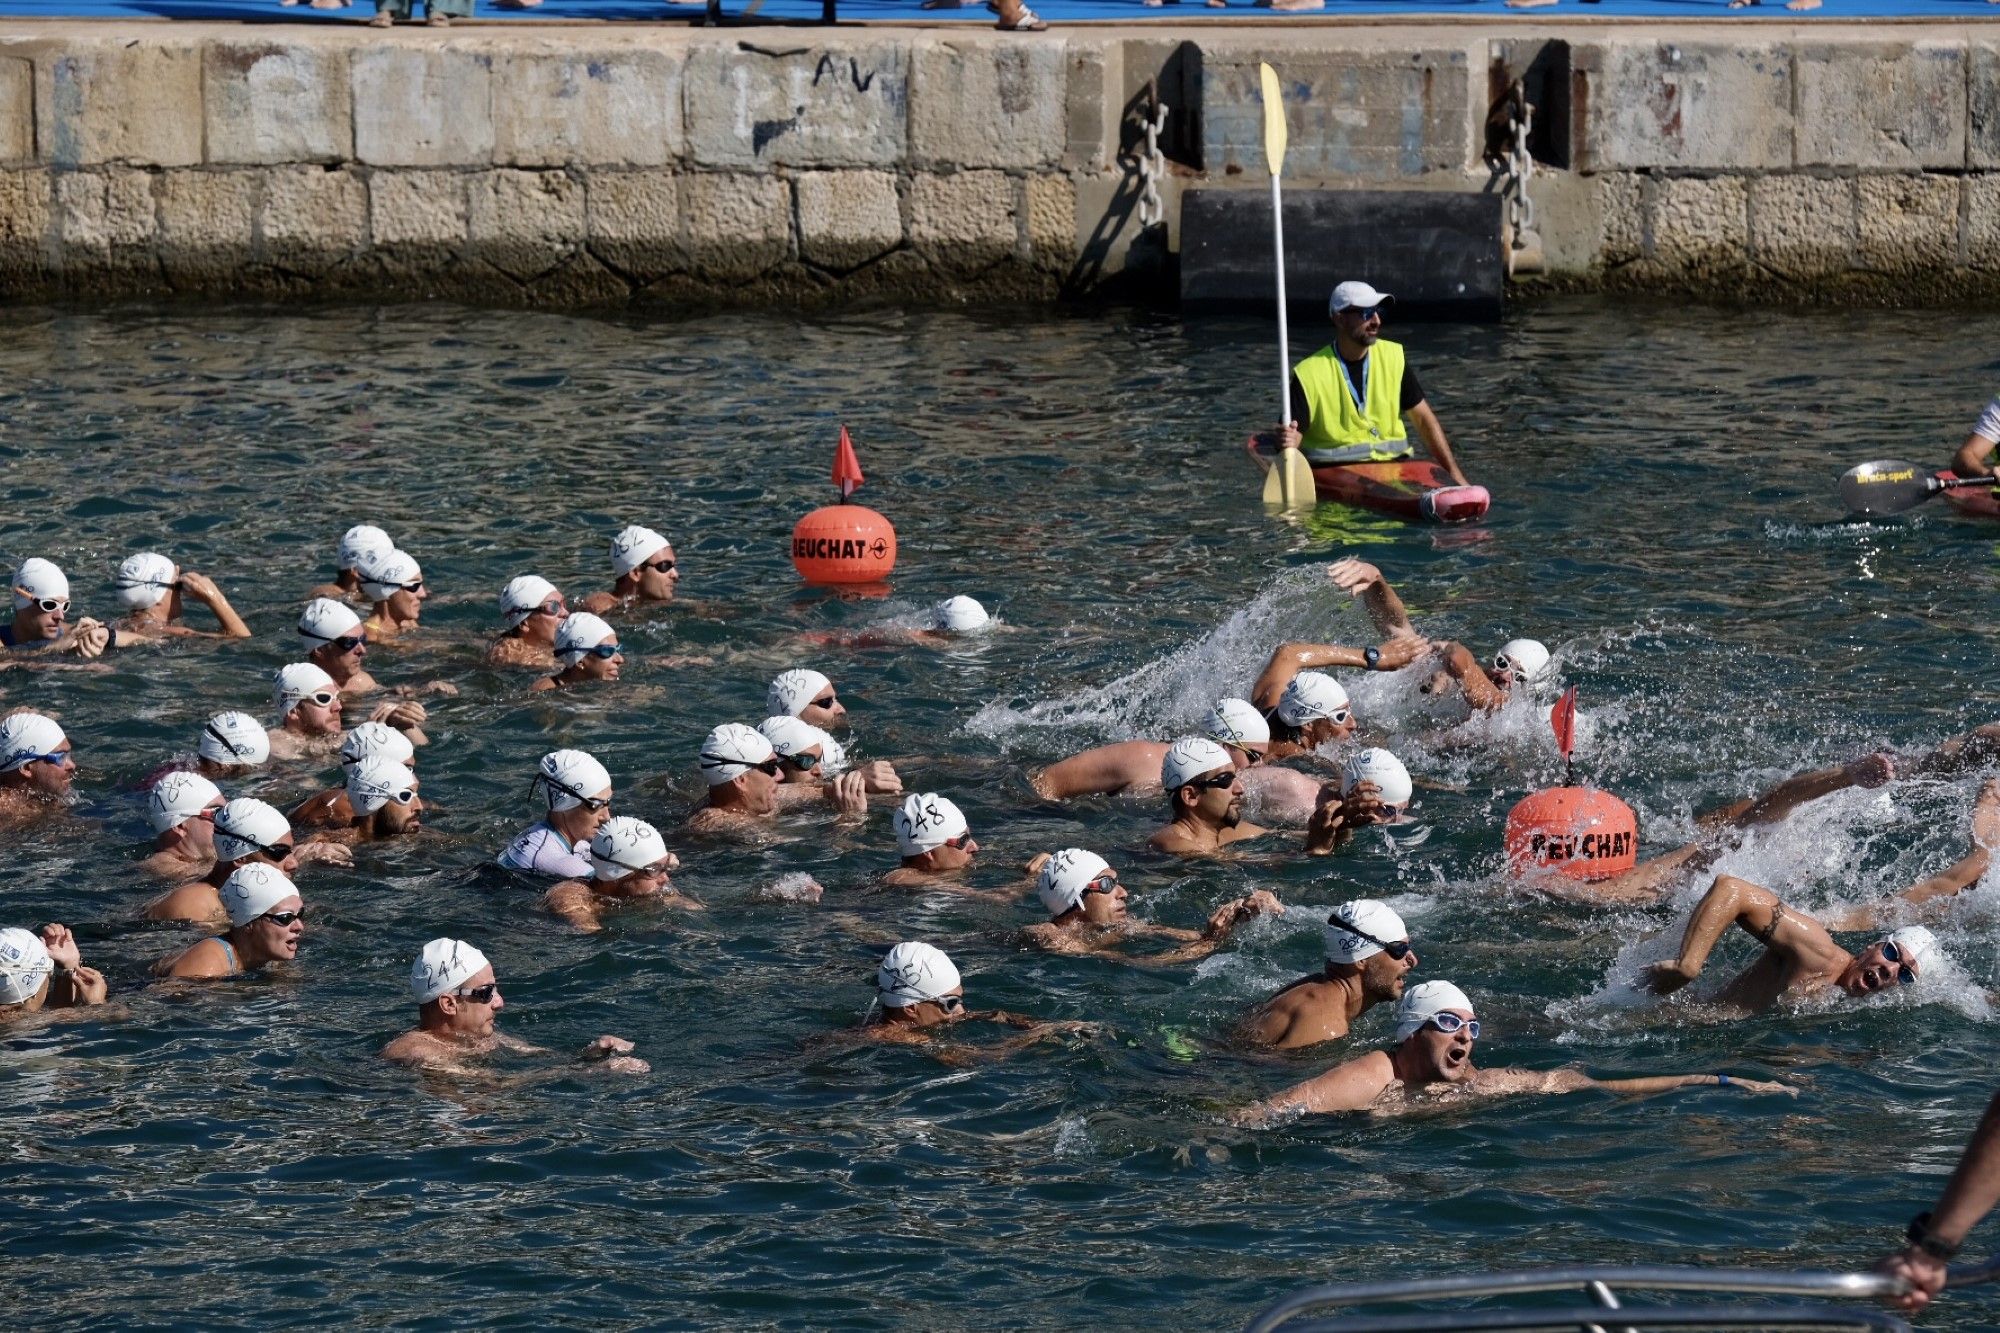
(570,165)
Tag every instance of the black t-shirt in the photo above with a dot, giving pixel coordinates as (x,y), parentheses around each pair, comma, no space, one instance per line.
(1413,392)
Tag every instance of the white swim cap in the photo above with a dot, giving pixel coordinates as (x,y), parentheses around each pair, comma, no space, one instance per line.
(792,691)
(1237,722)
(732,750)
(372,740)
(1311,695)
(325,620)
(959,615)
(234,738)
(926,820)
(578,634)
(566,777)
(252,890)
(832,755)
(24,965)
(1366,914)
(26,737)
(623,845)
(295,682)
(1421,1003)
(1190,757)
(634,547)
(383,573)
(443,966)
(177,798)
(246,826)
(913,973)
(1381,768)
(374,782)
(39,578)
(789,735)
(1526,658)
(1064,875)
(1915,943)
(361,541)
(143,580)
(524,596)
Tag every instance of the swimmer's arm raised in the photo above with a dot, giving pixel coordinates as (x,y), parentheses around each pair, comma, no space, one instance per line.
(202,589)
(1365,582)
(1463,667)
(1729,902)
(1869,771)
(1502,1082)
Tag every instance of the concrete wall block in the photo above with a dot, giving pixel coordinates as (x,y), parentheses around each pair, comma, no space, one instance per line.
(848,218)
(1050,221)
(102,212)
(423,106)
(1622,197)
(1640,104)
(737,226)
(1090,113)
(1350,113)
(267,102)
(978,105)
(633,219)
(616,107)
(1906,225)
(1697,223)
(526,223)
(131,102)
(843,105)
(426,210)
(963,221)
(312,219)
(1982,220)
(17,111)
(1898,106)
(207,225)
(1982,147)
(1802,226)
(27,220)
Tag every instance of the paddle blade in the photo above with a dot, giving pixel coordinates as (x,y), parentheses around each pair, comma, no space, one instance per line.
(1274,486)
(1274,121)
(1300,491)
(1885,487)
(1562,719)
(846,467)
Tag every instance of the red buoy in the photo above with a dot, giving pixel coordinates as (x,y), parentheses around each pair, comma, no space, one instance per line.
(1579,832)
(844,543)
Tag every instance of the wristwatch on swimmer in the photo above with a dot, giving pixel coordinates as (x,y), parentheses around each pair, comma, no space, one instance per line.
(1373,657)
(1921,1237)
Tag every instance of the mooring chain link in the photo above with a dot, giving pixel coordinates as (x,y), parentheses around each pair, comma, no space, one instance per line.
(1520,164)
(1152,166)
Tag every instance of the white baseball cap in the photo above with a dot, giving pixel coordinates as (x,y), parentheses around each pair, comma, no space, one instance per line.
(1353,293)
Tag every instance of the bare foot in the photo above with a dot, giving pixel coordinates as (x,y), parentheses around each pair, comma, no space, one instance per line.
(1529,4)
(1298,4)
(1801,5)
(381,20)
(438,21)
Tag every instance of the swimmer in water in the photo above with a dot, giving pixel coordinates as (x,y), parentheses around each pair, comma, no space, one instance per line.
(155,593)
(1368,958)
(629,867)
(394,584)
(45,971)
(576,791)
(357,544)
(370,740)
(1432,1060)
(803,752)
(1457,670)
(533,609)
(336,643)
(1374,788)
(1205,798)
(1086,906)
(244,832)
(383,796)
(231,745)
(41,608)
(950,621)
(182,807)
(587,647)
(266,921)
(937,848)
(919,995)
(309,709)
(36,768)
(742,772)
(809,696)
(458,999)
(644,570)
(1134,766)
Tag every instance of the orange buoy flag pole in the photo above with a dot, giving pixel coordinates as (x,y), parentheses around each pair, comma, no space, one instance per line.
(1562,718)
(846,467)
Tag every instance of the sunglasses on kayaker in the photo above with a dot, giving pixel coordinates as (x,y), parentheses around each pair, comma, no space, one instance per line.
(1396,949)
(1364,313)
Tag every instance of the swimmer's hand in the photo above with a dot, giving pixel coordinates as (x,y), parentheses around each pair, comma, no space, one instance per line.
(200,587)
(89,638)
(848,794)
(1036,862)
(324,853)
(1324,828)
(1363,805)
(1872,770)
(1760,1085)
(402,716)
(1401,648)
(1234,913)
(61,944)
(91,987)
(443,689)
(1353,576)
(1666,978)
(615,1055)
(879,777)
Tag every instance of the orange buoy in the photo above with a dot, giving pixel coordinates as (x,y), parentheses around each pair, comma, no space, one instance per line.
(844,543)
(1580,832)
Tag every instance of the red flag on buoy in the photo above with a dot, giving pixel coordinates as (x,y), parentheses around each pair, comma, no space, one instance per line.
(1563,719)
(846,467)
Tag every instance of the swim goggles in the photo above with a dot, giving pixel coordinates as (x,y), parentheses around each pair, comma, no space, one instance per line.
(590,803)
(1893,953)
(1449,1022)
(1396,949)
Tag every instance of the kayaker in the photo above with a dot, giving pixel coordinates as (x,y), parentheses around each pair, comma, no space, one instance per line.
(1935,1238)
(1368,957)
(1349,398)
(1974,457)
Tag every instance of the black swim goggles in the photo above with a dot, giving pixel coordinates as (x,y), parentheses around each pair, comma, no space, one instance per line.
(590,803)
(1397,950)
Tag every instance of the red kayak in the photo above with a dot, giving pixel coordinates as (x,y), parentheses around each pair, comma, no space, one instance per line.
(1976,500)
(1413,488)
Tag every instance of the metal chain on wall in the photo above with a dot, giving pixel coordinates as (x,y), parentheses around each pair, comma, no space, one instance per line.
(1152,166)
(1524,245)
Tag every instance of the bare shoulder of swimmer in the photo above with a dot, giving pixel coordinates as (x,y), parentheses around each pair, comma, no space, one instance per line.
(420,1050)
(1049,936)
(713,823)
